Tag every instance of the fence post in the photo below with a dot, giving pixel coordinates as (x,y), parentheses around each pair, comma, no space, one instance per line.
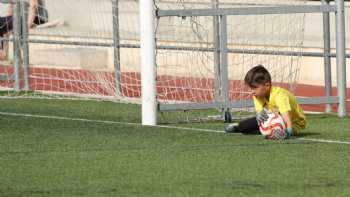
(224,61)
(24,43)
(116,47)
(216,45)
(327,57)
(16,45)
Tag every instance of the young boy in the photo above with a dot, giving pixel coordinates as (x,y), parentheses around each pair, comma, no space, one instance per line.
(269,98)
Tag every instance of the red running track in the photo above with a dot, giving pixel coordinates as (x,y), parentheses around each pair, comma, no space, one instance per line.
(168,87)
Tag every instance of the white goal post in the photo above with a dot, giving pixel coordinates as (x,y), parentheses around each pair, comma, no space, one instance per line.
(148,69)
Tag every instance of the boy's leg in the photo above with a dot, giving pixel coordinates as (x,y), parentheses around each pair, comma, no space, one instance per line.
(246,126)
(5,27)
(296,130)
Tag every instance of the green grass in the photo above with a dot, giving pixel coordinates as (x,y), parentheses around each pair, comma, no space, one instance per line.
(50,157)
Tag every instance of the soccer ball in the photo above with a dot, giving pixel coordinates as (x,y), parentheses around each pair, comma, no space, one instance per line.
(274,127)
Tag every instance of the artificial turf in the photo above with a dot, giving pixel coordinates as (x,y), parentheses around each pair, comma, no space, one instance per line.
(54,157)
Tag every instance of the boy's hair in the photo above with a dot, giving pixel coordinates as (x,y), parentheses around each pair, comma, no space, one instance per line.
(258,75)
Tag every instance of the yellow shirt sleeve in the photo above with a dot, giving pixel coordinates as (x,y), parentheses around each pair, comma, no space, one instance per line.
(283,103)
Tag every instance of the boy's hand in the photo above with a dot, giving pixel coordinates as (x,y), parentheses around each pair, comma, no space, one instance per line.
(262,116)
(281,135)
(289,132)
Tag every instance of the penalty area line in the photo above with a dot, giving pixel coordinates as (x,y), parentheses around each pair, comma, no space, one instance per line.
(324,141)
(105,122)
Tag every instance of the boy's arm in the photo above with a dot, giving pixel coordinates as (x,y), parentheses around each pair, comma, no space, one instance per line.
(287,119)
(32,11)
(285,110)
(261,112)
(10,9)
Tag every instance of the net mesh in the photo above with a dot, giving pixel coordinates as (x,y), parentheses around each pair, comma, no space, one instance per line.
(73,54)
(188,73)
(78,57)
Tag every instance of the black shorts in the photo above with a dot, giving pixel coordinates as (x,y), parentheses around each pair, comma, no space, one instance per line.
(6,24)
(248,126)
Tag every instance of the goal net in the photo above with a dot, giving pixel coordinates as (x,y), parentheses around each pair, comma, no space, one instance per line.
(188,72)
(86,49)
(90,49)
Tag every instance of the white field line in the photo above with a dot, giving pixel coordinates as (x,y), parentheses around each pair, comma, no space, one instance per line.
(159,126)
(105,121)
(324,141)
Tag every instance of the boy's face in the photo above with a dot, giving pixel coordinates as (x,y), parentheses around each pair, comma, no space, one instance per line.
(261,90)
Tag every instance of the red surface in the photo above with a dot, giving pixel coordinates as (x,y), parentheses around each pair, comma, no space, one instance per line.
(168,87)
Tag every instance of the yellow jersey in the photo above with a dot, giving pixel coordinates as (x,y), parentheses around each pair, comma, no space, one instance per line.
(281,100)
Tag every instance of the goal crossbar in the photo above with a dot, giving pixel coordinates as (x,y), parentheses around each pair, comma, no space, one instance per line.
(248,11)
(238,104)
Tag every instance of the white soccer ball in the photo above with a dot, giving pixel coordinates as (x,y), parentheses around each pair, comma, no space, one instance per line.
(274,127)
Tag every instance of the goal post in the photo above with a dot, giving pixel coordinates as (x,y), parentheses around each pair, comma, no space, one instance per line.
(148,64)
(341,63)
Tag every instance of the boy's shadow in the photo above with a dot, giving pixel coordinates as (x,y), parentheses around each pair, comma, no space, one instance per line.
(306,134)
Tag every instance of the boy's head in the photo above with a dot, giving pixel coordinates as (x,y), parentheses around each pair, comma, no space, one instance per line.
(259,81)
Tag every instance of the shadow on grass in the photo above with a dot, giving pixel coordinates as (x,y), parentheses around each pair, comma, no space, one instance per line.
(306,134)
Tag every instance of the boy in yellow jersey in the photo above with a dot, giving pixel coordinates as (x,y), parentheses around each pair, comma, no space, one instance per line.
(269,98)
